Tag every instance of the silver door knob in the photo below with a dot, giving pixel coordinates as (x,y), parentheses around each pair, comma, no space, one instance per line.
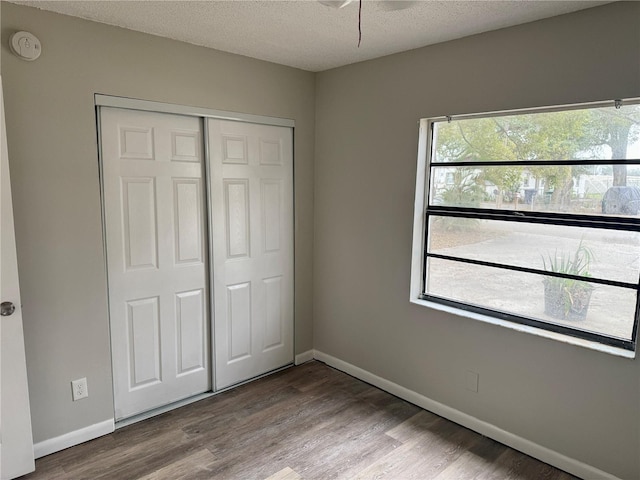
(7,308)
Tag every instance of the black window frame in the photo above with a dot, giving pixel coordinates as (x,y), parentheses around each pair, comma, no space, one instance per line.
(619,223)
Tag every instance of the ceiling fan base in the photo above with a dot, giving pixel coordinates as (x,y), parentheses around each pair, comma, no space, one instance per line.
(335,3)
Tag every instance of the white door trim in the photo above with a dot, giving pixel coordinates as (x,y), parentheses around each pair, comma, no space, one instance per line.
(160,107)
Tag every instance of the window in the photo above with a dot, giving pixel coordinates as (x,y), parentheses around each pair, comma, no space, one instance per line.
(537,220)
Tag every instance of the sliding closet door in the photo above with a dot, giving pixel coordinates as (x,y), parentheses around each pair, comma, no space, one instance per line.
(251,181)
(152,165)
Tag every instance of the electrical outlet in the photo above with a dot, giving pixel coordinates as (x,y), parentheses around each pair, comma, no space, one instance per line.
(79,389)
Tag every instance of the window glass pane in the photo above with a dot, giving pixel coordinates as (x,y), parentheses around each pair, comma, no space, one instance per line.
(590,307)
(590,133)
(579,189)
(599,253)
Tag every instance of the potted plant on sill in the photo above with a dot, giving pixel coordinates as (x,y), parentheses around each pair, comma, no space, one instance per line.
(568,298)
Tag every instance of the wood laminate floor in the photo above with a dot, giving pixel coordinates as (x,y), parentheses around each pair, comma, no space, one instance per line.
(307,422)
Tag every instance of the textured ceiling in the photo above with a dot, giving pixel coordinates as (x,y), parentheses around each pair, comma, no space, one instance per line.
(308,35)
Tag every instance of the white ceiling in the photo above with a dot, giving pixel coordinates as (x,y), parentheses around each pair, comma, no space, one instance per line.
(308,35)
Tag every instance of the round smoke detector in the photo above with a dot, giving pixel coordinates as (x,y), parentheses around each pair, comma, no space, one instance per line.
(25,45)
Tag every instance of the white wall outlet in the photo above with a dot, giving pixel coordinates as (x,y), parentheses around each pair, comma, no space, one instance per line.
(472,381)
(79,389)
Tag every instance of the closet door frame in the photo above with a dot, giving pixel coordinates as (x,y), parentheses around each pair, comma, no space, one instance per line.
(102,100)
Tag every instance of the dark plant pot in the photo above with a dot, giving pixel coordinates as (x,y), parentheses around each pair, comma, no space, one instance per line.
(567,301)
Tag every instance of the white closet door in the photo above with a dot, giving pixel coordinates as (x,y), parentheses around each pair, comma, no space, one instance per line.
(16,443)
(156,249)
(252,216)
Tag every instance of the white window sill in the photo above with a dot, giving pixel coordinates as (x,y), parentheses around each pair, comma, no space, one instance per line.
(619,352)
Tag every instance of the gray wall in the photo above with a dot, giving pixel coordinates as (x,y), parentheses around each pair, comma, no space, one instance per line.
(579,402)
(52,149)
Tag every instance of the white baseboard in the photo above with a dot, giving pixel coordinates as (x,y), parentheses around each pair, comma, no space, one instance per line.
(70,439)
(516,442)
(304,357)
